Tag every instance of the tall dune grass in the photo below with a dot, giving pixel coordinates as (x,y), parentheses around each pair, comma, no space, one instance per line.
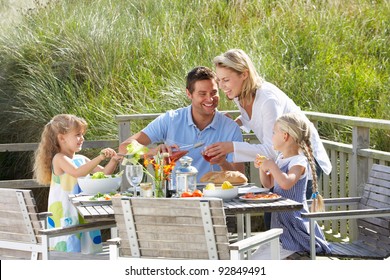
(101,58)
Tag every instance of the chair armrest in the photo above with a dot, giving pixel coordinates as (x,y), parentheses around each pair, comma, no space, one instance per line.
(114,241)
(113,247)
(44,215)
(258,239)
(77,228)
(348,214)
(339,201)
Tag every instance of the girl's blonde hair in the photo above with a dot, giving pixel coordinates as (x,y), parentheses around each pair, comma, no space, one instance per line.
(49,145)
(298,127)
(238,61)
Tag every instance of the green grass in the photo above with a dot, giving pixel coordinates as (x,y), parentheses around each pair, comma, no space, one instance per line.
(101,58)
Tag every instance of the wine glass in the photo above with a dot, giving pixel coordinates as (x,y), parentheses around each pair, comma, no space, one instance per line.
(134,174)
(207,158)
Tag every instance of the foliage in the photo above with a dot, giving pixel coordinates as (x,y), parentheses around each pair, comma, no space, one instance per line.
(102,58)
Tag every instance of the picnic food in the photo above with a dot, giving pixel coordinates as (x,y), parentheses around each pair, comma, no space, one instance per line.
(227,185)
(261,196)
(210,186)
(259,159)
(218,177)
(195,193)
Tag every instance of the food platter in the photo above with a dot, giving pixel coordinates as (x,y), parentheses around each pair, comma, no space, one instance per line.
(88,199)
(254,189)
(100,199)
(261,197)
(219,185)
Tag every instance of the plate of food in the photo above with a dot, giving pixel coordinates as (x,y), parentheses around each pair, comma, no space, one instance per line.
(260,197)
(254,189)
(99,197)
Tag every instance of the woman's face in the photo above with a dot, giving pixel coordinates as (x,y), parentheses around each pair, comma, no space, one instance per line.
(230,82)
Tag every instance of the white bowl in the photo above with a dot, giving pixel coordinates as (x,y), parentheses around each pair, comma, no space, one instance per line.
(220,193)
(91,186)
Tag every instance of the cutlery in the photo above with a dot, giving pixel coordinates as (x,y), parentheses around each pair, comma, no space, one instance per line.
(192,146)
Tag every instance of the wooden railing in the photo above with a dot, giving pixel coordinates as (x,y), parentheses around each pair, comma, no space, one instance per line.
(351,161)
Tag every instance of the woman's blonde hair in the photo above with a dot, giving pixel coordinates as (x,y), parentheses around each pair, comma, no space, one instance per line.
(238,61)
(49,145)
(298,127)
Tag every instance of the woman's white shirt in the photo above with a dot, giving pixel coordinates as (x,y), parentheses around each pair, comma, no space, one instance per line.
(269,104)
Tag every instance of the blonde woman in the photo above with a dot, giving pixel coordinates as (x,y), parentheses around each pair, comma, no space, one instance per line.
(288,177)
(260,104)
(57,164)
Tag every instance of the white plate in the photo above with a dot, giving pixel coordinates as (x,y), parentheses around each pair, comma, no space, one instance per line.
(218,185)
(253,189)
(86,199)
(259,200)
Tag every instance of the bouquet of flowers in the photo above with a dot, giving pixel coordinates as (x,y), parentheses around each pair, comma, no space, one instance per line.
(162,166)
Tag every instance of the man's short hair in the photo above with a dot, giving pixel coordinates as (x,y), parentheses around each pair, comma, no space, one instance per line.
(199,73)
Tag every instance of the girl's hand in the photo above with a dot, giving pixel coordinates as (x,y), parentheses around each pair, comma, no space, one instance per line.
(107,153)
(259,160)
(267,165)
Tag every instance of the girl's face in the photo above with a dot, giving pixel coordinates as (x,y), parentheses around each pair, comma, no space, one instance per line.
(278,137)
(72,141)
(230,81)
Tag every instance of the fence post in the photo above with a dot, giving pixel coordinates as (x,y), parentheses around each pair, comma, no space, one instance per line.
(124,128)
(359,168)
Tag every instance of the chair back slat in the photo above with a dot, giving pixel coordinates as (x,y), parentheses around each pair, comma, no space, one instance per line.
(375,232)
(18,222)
(172,228)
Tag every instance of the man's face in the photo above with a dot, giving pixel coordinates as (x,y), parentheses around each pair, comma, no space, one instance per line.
(205,97)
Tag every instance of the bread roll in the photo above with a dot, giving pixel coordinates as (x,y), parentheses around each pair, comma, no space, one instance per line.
(218,177)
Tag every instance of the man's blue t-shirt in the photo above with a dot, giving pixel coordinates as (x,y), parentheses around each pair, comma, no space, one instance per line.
(177,127)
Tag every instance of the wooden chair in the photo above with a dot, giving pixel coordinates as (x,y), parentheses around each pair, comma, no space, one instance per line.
(175,228)
(373,219)
(22,228)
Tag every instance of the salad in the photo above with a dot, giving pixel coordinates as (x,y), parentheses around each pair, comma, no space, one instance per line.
(101,175)
(136,151)
(107,196)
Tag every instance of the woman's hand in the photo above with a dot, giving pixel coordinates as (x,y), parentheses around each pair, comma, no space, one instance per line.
(218,151)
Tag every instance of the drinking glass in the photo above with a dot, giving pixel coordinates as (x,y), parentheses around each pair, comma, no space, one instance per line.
(134,174)
(207,158)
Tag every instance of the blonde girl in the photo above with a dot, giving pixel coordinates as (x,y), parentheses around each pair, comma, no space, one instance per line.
(288,175)
(56,163)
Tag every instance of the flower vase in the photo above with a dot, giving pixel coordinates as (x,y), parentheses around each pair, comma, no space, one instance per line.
(160,189)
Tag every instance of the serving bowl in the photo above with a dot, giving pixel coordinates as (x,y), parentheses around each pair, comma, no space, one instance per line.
(91,186)
(218,192)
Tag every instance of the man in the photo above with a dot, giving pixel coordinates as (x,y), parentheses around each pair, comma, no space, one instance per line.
(199,122)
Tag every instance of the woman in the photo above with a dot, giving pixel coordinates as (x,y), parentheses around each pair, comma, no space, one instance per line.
(260,104)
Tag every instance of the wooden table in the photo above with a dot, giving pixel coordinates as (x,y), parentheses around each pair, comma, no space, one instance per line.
(102,210)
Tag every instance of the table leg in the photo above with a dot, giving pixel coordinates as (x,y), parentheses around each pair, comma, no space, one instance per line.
(240,226)
(248,228)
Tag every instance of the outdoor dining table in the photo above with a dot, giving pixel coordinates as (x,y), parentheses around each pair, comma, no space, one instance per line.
(102,210)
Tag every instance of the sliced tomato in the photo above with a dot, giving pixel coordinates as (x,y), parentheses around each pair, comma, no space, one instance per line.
(197,193)
(186,194)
